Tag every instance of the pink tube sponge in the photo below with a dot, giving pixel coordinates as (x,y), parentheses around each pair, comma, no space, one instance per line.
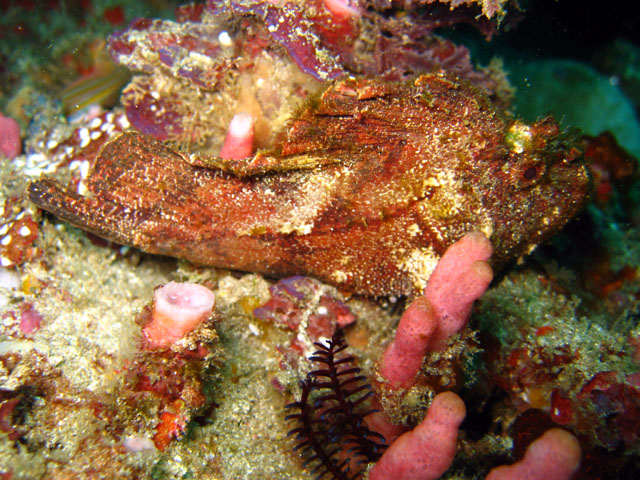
(553,456)
(460,278)
(403,358)
(238,143)
(426,452)
(178,308)
(10,144)
(342,9)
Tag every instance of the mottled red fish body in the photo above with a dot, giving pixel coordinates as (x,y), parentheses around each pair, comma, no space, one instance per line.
(364,189)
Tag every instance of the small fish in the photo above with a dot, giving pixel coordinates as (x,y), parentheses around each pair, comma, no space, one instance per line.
(101,89)
(364,189)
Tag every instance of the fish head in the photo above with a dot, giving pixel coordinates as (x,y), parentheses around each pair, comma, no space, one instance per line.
(538,184)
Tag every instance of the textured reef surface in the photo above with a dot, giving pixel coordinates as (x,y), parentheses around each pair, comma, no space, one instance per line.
(312,239)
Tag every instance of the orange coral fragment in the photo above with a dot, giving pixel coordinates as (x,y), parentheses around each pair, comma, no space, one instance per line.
(171,427)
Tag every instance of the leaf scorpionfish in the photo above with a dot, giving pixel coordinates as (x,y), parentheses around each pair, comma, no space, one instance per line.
(364,189)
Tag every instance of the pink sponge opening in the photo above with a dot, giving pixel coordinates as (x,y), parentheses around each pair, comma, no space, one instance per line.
(10,144)
(239,141)
(178,308)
